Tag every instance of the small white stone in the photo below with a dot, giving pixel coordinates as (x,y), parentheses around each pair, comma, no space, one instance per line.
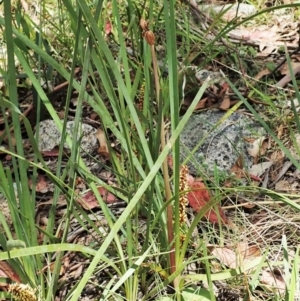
(238,9)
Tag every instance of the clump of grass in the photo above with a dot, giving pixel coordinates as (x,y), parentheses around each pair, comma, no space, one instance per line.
(140,166)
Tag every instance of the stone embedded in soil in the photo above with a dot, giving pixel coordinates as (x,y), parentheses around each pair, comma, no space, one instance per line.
(50,137)
(229,11)
(222,146)
(215,77)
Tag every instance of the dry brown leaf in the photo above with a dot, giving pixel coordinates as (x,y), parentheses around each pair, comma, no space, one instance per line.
(225,105)
(277,156)
(51,268)
(238,170)
(256,150)
(226,256)
(260,168)
(103,149)
(238,256)
(60,202)
(262,73)
(285,68)
(238,167)
(41,186)
(248,252)
(264,147)
(284,186)
(266,50)
(274,281)
(224,89)
(201,104)
(78,272)
(13,139)
(264,36)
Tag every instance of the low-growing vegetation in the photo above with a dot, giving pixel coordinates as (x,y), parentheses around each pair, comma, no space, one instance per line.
(102,197)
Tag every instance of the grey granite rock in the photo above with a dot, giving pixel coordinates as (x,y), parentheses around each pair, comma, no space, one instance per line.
(50,137)
(221,146)
(215,77)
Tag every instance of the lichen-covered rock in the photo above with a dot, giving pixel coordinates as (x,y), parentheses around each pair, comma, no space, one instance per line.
(50,137)
(221,146)
(215,77)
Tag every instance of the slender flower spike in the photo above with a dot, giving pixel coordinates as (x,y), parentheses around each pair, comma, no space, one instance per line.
(183,188)
(22,292)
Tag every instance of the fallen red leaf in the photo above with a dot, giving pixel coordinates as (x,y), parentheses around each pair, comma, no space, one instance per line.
(89,200)
(106,195)
(198,197)
(53,153)
(41,185)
